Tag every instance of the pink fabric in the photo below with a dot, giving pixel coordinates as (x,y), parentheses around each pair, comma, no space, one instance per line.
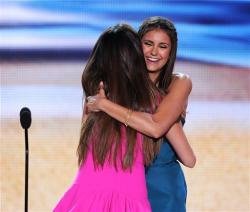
(107,189)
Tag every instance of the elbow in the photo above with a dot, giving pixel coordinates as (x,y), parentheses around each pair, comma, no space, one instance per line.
(190,163)
(156,132)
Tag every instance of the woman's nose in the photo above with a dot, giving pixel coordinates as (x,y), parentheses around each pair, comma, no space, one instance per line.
(154,50)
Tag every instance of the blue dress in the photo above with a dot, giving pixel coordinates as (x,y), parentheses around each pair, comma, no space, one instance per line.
(166,185)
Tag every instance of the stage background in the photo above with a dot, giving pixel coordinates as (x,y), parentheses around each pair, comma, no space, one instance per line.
(44,46)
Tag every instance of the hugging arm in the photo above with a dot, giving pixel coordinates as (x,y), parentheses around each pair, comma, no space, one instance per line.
(179,142)
(157,124)
(153,125)
(177,138)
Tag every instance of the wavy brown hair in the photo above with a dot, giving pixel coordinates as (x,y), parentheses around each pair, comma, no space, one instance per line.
(118,61)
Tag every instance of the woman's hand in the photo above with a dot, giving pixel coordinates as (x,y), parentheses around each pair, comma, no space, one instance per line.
(94,103)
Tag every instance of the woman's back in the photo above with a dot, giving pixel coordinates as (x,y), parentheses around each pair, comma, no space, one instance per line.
(101,185)
(108,188)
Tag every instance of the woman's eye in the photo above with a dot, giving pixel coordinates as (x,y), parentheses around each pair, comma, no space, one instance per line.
(147,43)
(163,47)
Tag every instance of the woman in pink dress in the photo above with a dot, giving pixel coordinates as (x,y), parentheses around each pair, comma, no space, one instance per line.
(111,155)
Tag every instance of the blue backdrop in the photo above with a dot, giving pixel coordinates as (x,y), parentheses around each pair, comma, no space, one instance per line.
(209,31)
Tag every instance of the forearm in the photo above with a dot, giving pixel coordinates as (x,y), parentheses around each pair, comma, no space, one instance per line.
(154,125)
(143,122)
(180,144)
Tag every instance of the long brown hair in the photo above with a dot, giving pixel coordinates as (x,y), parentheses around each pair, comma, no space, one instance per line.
(118,61)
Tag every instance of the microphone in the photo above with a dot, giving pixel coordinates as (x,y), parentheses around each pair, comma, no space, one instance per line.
(25,117)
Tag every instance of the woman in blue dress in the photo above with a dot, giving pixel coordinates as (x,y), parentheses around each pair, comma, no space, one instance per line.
(166,184)
(165,179)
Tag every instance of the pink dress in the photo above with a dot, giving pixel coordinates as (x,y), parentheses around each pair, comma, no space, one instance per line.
(108,189)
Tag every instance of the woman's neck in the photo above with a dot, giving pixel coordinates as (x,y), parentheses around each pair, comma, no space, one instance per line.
(153,76)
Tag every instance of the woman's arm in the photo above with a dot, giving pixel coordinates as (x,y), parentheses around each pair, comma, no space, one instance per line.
(179,142)
(85,112)
(153,125)
(181,87)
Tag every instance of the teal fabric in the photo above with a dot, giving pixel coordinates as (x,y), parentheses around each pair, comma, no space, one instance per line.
(166,184)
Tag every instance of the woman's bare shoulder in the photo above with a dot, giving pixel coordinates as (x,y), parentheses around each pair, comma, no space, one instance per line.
(181,76)
(180,80)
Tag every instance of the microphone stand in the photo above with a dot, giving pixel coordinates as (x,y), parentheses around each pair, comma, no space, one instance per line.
(26,171)
(25,119)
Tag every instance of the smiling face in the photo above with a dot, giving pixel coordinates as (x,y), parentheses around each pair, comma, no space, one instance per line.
(156,45)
